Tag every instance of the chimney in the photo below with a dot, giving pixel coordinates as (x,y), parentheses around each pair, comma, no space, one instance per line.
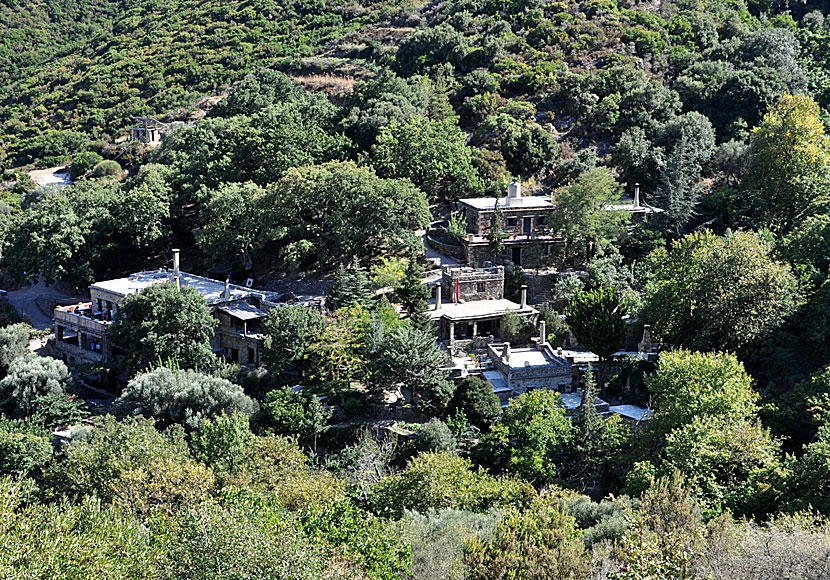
(636,196)
(524,296)
(514,189)
(542,333)
(505,355)
(438,297)
(175,261)
(227,294)
(645,347)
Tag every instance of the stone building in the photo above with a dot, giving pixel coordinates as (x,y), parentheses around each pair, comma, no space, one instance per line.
(474,305)
(148,130)
(82,330)
(524,224)
(639,212)
(519,370)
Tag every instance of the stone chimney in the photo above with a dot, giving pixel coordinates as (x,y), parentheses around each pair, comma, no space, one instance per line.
(505,355)
(175,261)
(645,347)
(227,294)
(524,296)
(438,297)
(636,196)
(543,340)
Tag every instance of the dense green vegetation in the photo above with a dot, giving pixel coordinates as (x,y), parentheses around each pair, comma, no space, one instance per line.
(717,108)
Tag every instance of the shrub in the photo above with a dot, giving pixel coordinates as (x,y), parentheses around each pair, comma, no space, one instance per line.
(107,168)
(475,398)
(30,377)
(184,397)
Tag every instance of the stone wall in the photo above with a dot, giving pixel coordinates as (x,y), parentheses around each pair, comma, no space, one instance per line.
(474,284)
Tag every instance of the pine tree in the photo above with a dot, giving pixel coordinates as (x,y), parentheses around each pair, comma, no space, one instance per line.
(411,291)
(496,236)
(587,421)
(350,286)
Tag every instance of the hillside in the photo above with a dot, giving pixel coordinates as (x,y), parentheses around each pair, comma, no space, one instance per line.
(72,73)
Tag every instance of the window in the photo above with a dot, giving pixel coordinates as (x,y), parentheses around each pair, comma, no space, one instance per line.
(480,287)
(512,221)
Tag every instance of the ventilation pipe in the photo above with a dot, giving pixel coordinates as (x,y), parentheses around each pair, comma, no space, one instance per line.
(505,355)
(524,296)
(636,196)
(438,297)
(175,261)
(542,333)
(227,294)
(178,281)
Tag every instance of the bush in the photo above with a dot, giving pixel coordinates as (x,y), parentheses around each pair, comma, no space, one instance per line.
(24,447)
(133,465)
(184,397)
(14,340)
(83,163)
(475,398)
(30,377)
(107,168)
(441,480)
(435,436)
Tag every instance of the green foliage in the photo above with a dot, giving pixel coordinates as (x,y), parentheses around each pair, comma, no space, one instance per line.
(531,438)
(411,290)
(82,163)
(693,384)
(435,436)
(231,214)
(25,447)
(132,465)
(496,233)
(84,229)
(431,154)
(541,541)
(440,480)
(163,323)
(107,168)
(790,163)
(586,225)
(408,358)
(31,377)
(83,540)
(292,414)
(342,209)
(350,287)
(529,150)
(712,291)
(14,340)
(598,320)
(438,537)
(287,332)
(475,398)
(183,397)
(245,537)
(255,92)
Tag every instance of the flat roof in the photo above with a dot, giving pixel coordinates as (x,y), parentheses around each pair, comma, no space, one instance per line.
(527,201)
(496,379)
(212,290)
(476,309)
(579,356)
(243,311)
(631,412)
(531,357)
